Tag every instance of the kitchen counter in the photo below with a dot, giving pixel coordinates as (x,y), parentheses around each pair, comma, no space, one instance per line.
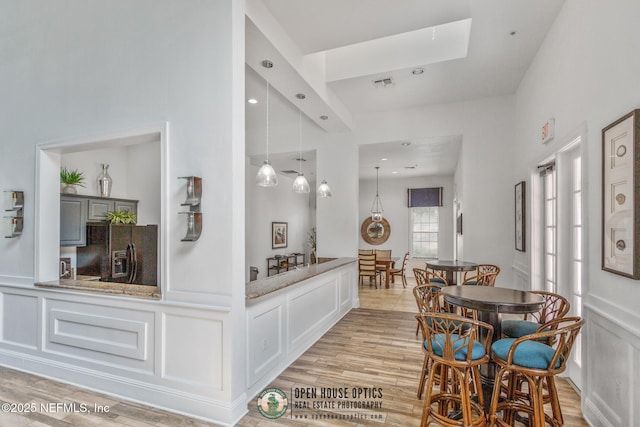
(270,284)
(110,288)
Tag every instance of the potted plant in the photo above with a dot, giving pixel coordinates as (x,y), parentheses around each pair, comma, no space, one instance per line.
(71,179)
(121,217)
(311,237)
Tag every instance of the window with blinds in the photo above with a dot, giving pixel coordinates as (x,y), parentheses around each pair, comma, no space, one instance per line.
(424,207)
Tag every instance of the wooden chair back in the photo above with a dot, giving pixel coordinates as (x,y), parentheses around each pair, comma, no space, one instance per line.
(383,253)
(428,298)
(555,307)
(367,264)
(365,251)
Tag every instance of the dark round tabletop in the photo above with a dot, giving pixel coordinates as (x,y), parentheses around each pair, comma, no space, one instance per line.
(451,265)
(492,299)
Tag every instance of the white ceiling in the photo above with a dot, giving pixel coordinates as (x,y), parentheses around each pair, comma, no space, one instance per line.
(495,61)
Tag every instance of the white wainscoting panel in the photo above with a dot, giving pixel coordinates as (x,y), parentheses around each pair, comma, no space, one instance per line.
(266,340)
(346,300)
(100,334)
(192,347)
(19,320)
(309,308)
(611,393)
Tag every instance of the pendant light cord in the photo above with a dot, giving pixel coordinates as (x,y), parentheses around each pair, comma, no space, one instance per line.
(300,141)
(267,120)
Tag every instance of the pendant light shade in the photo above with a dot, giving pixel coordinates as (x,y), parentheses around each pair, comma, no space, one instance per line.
(300,184)
(376,207)
(324,190)
(266,176)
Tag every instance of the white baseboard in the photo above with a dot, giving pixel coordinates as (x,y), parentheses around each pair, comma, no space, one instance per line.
(158,396)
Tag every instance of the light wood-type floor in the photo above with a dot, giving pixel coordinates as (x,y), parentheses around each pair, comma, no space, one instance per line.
(371,347)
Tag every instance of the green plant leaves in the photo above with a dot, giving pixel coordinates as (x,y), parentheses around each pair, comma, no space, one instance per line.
(121,217)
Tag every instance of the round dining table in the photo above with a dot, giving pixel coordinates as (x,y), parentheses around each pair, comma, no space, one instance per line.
(491,303)
(451,268)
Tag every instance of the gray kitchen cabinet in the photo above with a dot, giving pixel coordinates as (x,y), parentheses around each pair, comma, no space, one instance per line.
(73,218)
(98,208)
(77,210)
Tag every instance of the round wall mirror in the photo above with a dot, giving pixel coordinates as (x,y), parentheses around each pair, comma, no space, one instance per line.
(375,233)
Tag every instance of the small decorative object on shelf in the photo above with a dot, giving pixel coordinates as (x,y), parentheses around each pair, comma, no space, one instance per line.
(104,181)
(71,179)
(194,216)
(14,203)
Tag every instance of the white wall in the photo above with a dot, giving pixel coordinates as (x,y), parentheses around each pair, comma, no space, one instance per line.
(277,204)
(393,193)
(76,69)
(586,72)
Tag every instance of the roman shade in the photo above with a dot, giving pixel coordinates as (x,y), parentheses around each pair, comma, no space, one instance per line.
(424,197)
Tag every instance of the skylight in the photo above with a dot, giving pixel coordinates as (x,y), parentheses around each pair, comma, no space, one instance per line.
(407,50)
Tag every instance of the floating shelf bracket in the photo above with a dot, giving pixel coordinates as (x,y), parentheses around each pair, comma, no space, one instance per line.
(14,203)
(194,216)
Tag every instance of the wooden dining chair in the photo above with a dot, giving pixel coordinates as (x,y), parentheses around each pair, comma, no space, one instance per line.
(400,271)
(382,254)
(367,268)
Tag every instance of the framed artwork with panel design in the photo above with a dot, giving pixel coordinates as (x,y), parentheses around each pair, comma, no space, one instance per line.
(620,196)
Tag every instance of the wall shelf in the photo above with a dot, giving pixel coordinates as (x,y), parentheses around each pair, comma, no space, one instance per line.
(194,216)
(14,203)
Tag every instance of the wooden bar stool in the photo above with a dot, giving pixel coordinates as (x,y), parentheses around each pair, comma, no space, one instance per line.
(529,359)
(455,346)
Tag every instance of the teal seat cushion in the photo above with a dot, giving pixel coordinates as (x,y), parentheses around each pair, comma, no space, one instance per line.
(436,280)
(530,354)
(460,347)
(519,328)
(471,283)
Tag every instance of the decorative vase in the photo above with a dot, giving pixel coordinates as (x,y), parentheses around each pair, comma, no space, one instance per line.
(104,181)
(69,189)
(313,257)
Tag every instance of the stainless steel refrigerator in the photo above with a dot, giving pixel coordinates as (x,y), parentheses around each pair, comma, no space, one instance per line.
(120,253)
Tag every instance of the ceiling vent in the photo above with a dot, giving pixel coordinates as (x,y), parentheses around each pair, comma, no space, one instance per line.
(290,172)
(387,81)
(411,167)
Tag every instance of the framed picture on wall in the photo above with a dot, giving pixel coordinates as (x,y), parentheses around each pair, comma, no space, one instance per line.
(520,197)
(620,174)
(279,235)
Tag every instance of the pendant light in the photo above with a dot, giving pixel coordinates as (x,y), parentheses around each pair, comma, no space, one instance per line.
(324,190)
(266,176)
(376,207)
(300,184)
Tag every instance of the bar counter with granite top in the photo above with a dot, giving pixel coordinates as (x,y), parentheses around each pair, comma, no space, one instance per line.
(110,288)
(288,312)
(264,286)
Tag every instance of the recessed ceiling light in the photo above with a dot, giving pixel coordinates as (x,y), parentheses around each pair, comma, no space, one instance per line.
(394,172)
(406,144)
(267,64)
(324,117)
(513,33)
(301,95)
(252,101)
(417,71)
(384,159)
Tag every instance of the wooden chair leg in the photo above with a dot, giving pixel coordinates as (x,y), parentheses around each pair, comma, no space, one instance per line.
(553,398)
